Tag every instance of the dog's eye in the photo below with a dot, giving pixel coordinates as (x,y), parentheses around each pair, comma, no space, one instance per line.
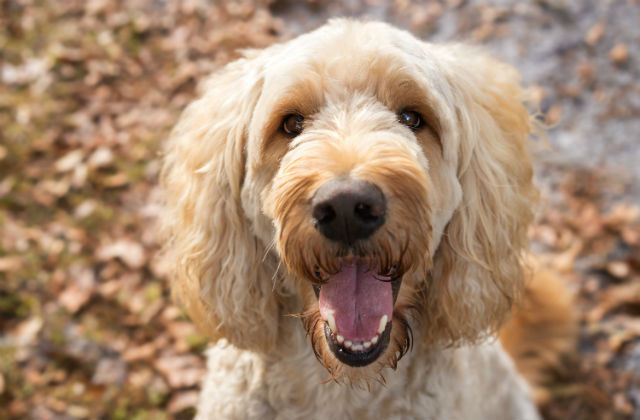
(411,119)
(293,124)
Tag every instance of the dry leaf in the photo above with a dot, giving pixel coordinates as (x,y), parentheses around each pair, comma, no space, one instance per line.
(145,351)
(129,252)
(181,371)
(10,263)
(102,157)
(595,33)
(619,54)
(183,400)
(26,332)
(69,161)
(109,371)
(616,296)
(618,269)
(115,181)
(81,286)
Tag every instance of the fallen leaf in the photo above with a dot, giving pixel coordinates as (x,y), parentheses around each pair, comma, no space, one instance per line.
(129,252)
(69,161)
(10,263)
(81,287)
(183,400)
(595,33)
(100,158)
(614,297)
(115,181)
(145,351)
(109,371)
(181,371)
(619,54)
(26,332)
(618,269)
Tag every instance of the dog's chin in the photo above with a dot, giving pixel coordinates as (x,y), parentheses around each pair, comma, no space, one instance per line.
(356,306)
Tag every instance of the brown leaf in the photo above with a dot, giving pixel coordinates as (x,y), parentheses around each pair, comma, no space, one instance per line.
(630,235)
(69,161)
(102,157)
(26,332)
(115,181)
(181,371)
(81,287)
(129,252)
(145,351)
(614,297)
(622,214)
(109,371)
(618,269)
(183,400)
(10,263)
(47,191)
(619,54)
(595,33)
(554,114)
(622,404)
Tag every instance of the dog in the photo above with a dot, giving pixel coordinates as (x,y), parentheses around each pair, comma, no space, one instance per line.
(347,218)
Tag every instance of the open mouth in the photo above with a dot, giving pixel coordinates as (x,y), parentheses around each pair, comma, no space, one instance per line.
(356,304)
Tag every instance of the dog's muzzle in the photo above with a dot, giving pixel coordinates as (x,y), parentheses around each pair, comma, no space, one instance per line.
(356,302)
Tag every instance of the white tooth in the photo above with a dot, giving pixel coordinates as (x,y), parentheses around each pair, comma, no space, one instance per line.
(367,344)
(348,344)
(340,339)
(357,347)
(383,324)
(374,340)
(332,323)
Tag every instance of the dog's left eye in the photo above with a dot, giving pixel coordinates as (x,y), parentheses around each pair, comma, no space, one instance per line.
(411,119)
(293,124)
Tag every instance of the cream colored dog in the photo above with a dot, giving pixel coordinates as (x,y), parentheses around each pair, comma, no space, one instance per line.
(347,214)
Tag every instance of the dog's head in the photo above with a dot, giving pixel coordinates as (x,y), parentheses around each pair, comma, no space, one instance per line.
(383,180)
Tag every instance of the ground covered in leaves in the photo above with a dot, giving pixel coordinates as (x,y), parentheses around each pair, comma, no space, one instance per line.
(88,92)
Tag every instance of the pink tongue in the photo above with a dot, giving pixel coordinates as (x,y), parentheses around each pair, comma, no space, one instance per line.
(357,299)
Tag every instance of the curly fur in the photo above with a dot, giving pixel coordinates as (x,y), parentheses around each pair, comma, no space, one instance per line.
(460,201)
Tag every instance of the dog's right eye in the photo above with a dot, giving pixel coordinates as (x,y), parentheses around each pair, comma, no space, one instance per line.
(411,119)
(293,124)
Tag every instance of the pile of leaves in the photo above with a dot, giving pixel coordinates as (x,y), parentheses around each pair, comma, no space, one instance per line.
(88,92)
(596,249)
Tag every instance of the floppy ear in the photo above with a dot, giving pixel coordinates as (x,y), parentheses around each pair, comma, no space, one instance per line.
(220,273)
(478,270)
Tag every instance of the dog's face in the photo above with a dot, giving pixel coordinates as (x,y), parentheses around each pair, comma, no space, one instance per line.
(344,155)
(377,171)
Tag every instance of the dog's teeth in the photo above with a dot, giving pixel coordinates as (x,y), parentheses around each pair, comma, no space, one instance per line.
(332,323)
(348,344)
(340,339)
(383,324)
(374,340)
(366,344)
(357,347)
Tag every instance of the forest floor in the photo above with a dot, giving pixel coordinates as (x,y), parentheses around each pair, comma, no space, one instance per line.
(90,89)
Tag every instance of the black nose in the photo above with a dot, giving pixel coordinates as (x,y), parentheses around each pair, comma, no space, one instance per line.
(347,210)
